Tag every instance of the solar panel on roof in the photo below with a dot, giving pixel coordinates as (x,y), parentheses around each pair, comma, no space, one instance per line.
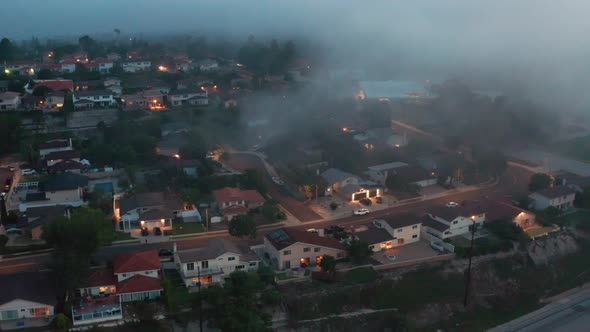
(279,235)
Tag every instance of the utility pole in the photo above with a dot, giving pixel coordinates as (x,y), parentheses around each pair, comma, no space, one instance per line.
(207,220)
(200,299)
(316,193)
(468,276)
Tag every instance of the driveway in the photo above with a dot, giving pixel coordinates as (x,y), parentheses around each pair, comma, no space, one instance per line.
(242,162)
(408,252)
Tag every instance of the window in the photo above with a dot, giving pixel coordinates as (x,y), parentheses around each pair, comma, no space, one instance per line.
(190,266)
(231,259)
(253,264)
(286,252)
(205,264)
(124,275)
(447,233)
(455,222)
(399,230)
(414,236)
(239,267)
(415,226)
(306,249)
(316,249)
(371,247)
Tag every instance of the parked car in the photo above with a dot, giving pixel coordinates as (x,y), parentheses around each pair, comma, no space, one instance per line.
(144,231)
(366,201)
(452,204)
(390,258)
(28,171)
(312,230)
(157,231)
(379,199)
(437,246)
(165,253)
(361,212)
(278,180)
(3,194)
(11,168)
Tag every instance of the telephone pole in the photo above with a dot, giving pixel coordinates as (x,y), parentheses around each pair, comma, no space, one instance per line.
(468,275)
(207,220)
(200,299)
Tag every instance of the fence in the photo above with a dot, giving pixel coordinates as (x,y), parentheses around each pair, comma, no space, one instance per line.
(429,237)
(439,258)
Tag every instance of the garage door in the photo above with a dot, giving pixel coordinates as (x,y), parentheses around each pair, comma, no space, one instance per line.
(358,196)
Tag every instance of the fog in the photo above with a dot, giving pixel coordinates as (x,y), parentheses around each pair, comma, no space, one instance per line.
(532,47)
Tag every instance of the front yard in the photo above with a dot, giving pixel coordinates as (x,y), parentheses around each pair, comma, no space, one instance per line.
(121,236)
(180,227)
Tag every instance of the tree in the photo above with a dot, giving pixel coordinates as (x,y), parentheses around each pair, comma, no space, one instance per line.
(359,251)
(62,322)
(539,181)
(86,43)
(270,210)
(7,50)
(252,179)
(45,74)
(242,225)
(328,264)
(583,198)
(308,191)
(68,107)
(100,200)
(41,91)
(10,131)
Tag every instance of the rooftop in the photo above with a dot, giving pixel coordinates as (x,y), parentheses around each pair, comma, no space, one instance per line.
(334,175)
(374,235)
(41,215)
(91,93)
(434,224)
(153,199)
(555,192)
(136,261)
(66,181)
(102,277)
(139,283)
(54,144)
(285,237)
(68,154)
(40,287)
(388,166)
(403,220)
(214,248)
(231,194)
(463,210)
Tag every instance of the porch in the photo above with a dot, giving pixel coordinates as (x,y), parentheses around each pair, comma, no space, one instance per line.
(99,309)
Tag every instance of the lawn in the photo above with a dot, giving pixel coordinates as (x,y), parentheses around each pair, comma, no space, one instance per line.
(538,231)
(121,236)
(177,295)
(187,228)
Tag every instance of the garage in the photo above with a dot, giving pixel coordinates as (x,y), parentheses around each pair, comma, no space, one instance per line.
(373,192)
(358,196)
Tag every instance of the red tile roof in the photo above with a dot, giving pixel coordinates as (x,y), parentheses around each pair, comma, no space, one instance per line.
(57,85)
(138,283)
(136,261)
(233,210)
(103,277)
(285,237)
(230,194)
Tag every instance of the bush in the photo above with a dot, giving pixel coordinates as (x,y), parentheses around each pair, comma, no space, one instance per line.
(3,240)
(333,206)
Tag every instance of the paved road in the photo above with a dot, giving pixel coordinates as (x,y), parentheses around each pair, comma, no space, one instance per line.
(242,161)
(571,314)
(513,179)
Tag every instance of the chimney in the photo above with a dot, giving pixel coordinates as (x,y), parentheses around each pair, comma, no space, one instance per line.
(174,248)
(321,232)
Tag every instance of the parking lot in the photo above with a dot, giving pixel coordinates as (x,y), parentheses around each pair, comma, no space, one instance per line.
(408,252)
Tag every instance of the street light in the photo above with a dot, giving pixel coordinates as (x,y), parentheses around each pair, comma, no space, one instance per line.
(468,276)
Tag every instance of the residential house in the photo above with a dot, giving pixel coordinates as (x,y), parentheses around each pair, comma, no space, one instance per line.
(576,182)
(67,66)
(392,232)
(504,210)
(55,99)
(20,66)
(114,56)
(135,54)
(349,185)
(32,103)
(89,85)
(36,217)
(93,98)
(134,277)
(78,57)
(189,167)
(188,97)
(140,84)
(101,65)
(207,65)
(134,66)
(380,137)
(214,262)
(134,101)
(111,81)
(55,146)
(154,98)
(68,166)
(559,197)
(379,173)
(55,85)
(416,176)
(28,300)
(63,189)
(193,83)
(233,201)
(290,248)
(444,222)
(9,101)
(152,209)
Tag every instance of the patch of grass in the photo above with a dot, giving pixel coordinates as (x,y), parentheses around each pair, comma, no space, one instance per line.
(283,276)
(360,275)
(538,231)
(121,236)
(21,249)
(187,227)
(177,295)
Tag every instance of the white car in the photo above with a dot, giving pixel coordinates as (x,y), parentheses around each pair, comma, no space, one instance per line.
(28,171)
(361,212)
(452,204)
(278,180)
(390,258)
(312,230)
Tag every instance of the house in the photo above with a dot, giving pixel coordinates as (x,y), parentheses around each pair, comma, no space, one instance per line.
(193,83)
(233,201)
(101,65)
(134,66)
(134,101)
(189,167)
(379,173)
(114,56)
(89,85)
(56,157)
(55,85)
(55,146)
(392,232)
(154,98)
(188,97)
(215,261)
(63,189)
(78,57)
(9,101)
(20,66)
(111,81)
(36,217)
(290,248)
(67,66)
(498,210)
(93,98)
(69,166)
(134,277)
(576,182)
(207,65)
(152,209)
(444,222)
(28,300)
(55,99)
(559,197)
(140,84)
(416,176)
(349,185)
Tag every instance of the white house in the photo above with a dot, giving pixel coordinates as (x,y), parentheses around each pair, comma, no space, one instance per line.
(9,101)
(28,299)
(188,97)
(290,248)
(379,173)
(392,232)
(67,67)
(136,66)
(55,146)
(214,262)
(93,98)
(64,189)
(560,197)
(55,99)
(444,222)
(102,65)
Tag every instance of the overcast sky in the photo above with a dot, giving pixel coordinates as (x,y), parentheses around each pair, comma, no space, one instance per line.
(534,38)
